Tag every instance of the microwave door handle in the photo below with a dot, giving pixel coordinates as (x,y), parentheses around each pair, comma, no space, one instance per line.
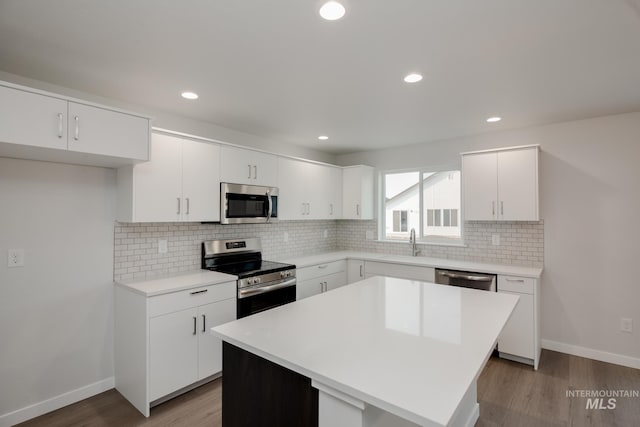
(270,206)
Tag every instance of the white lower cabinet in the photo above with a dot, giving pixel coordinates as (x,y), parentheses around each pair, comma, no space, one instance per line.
(355,270)
(319,278)
(401,271)
(163,343)
(520,338)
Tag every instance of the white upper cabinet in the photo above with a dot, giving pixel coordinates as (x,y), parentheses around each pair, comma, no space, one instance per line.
(180,183)
(99,131)
(357,192)
(308,190)
(75,132)
(240,166)
(501,185)
(31,119)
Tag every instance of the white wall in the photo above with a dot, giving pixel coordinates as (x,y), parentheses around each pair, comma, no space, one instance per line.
(56,312)
(590,204)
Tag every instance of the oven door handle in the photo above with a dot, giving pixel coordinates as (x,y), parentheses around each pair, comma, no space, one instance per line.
(243,293)
(466,276)
(270,206)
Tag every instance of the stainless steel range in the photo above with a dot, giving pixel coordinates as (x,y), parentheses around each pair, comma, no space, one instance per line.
(261,284)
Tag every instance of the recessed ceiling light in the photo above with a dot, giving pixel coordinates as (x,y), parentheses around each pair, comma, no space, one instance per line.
(323,137)
(332,10)
(494,119)
(413,78)
(189,95)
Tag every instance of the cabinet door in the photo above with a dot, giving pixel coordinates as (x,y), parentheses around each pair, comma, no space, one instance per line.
(173,352)
(518,184)
(99,131)
(357,192)
(517,337)
(200,181)
(480,186)
(333,190)
(210,346)
(355,271)
(158,183)
(308,288)
(242,166)
(293,189)
(30,119)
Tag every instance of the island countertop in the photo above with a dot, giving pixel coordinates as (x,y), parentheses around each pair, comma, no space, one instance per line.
(410,348)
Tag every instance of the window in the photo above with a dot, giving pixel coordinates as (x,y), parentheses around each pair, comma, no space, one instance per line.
(428,202)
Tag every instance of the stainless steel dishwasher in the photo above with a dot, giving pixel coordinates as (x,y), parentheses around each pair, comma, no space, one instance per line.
(466,279)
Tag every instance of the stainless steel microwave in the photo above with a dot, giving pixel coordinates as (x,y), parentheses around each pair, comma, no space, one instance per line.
(248,204)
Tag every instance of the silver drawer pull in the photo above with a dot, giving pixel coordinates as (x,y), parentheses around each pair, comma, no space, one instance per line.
(60,125)
(195,321)
(199,292)
(515,280)
(77,135)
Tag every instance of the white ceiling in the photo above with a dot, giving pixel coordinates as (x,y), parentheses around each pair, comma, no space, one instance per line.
(277,70)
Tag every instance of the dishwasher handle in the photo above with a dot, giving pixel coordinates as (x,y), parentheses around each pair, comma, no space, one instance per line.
(472,277)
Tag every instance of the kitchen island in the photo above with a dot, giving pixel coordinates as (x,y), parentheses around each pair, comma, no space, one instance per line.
(380,352)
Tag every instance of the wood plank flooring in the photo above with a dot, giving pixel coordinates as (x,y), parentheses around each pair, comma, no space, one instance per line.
(510,394)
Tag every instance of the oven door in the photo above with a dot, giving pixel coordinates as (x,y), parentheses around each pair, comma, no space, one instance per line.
(254,299)
(247,204)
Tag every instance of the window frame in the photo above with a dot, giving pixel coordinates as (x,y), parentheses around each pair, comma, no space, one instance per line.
(420,238)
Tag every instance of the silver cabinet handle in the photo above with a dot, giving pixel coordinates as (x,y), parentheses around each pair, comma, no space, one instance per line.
(204,323)
(357,209)
(187,199)
(60,125)
(195,321)
(493,208)
(330,208)
(515,280)
(77,134)
(502,208)
(249,172)
(178,198)
(361,266)
(255,172)
(199,292)
(301,208)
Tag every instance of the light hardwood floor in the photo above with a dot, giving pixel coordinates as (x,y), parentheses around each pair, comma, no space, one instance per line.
(510,394)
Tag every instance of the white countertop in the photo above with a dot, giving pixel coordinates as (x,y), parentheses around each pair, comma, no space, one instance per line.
(476,267)
(410,348)
(178,282)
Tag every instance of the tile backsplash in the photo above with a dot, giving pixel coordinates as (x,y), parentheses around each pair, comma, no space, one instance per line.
(521,243)
(136,245)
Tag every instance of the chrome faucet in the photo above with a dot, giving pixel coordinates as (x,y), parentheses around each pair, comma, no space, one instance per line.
(412,240)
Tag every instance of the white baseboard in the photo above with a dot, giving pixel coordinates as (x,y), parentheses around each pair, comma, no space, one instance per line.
(57,402)
(589,353)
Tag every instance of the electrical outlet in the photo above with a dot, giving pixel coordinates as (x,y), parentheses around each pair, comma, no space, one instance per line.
(162,246)
(326,233)
(626,325)
(495,239)
(369,235)
(15,258)
(286,237)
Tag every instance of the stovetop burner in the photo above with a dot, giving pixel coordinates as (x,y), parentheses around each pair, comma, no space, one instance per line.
(251,268)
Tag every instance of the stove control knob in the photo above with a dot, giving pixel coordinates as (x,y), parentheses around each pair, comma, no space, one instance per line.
(288,273)
(282,274)
(256,280)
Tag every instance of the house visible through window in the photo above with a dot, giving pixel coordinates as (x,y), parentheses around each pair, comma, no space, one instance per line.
(428,202)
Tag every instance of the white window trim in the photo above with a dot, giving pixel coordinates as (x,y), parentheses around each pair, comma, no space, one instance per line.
(420,241)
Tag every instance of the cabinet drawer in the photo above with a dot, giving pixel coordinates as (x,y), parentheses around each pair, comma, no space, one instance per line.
(523,285)
(315,271)
(411,272)
(193,297)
